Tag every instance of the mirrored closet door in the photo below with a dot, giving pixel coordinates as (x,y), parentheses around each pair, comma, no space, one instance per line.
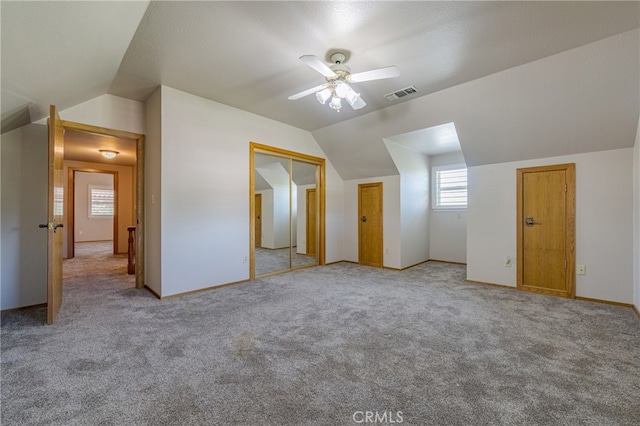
(287,210)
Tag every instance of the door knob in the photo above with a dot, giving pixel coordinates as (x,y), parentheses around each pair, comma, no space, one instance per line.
(53,225)
(363,218)
(530,221)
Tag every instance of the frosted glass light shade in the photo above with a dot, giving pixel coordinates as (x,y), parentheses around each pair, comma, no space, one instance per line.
(335,103)
(107,153)
(342,89)
(352,96)
(323,96)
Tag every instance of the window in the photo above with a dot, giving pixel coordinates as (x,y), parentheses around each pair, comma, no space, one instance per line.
(450,187)
(101,202)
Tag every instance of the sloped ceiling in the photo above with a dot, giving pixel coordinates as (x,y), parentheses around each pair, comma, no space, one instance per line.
(245,54)
(583,100)
(61,53)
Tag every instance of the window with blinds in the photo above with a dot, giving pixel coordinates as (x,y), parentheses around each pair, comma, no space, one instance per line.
(101,202)
(449,188)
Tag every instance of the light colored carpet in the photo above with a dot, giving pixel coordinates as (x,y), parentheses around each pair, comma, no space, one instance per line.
(315,347)
(274,260)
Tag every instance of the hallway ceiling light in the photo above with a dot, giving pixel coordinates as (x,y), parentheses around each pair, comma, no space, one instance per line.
(107,153)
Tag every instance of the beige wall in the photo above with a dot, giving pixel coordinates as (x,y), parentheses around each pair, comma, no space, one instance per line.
(126,197)
(91,228)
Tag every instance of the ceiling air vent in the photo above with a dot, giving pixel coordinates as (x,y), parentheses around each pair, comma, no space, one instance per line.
(401,93)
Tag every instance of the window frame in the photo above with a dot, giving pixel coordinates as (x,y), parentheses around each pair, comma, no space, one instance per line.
(435,190)
(90,214)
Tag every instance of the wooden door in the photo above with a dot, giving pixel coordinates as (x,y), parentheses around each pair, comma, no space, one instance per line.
(370,224)
(55,215)
(311,222)
(546,229)
(258,220)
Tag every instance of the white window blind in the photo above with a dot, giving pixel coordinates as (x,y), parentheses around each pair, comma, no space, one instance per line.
(101,202)
(450,188)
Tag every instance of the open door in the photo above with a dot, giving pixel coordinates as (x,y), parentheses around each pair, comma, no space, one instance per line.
(55,215)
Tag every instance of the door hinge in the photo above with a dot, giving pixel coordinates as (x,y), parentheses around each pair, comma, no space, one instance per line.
(565,264)
(565,188)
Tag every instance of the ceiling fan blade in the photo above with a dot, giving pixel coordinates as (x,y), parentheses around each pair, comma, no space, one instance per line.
(318,65)
(377,74)
(358,104)
(306,92)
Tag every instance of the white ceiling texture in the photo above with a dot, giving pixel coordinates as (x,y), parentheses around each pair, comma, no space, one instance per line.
(467,60)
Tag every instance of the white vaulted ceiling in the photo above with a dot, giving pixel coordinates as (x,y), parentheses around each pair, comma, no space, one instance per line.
(245,54)
(61,53)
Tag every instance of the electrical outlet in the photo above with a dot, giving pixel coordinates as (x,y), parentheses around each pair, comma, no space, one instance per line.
(507,262)
(244,259)
(386,251)
(581,269)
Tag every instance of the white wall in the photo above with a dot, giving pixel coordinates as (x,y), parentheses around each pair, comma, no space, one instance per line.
(413,203)
(112,112)
(24,167)
(604,222)
(448,236)
(86,228)
(636,220)
(276,224)
(391,232)
(203,153)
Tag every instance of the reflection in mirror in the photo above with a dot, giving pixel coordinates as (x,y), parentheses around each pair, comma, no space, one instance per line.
(272,219)
(304,223)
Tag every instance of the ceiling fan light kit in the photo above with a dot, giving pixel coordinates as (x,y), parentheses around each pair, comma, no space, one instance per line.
(338,77)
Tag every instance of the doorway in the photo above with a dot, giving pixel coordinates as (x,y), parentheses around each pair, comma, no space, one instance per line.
(370,224)
(84,184)
(135,191)
(546,229)
(59,201)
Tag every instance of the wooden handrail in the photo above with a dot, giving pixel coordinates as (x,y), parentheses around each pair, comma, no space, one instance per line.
(131,264)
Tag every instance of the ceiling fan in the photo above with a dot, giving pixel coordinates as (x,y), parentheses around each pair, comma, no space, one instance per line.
(338,77)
